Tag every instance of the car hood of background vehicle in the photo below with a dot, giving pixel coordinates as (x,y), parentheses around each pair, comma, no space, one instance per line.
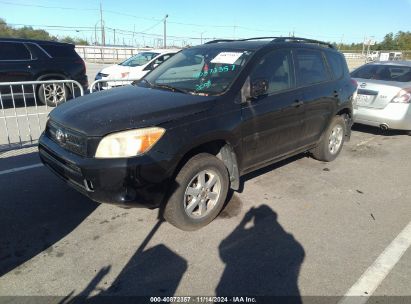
(115,71)
(128,107)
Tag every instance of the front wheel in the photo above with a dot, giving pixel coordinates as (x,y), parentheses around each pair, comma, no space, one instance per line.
(200,192)
(332,142)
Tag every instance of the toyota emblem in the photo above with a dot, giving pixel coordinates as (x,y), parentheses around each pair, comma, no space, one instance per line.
(363,85)
(61,136)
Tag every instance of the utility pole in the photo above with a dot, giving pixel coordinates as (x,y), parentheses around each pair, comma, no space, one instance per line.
(114,36)
(165,31)
(134,30)
(103,38)
(201,37)
(95,34)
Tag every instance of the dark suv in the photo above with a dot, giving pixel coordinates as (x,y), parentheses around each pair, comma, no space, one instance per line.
(32,60)
(182,136)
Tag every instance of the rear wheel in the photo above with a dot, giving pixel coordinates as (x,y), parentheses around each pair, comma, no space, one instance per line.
(332,142)
(201,190)
(53,94)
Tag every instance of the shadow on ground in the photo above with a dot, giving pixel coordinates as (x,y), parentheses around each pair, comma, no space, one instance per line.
(260,258)
(36,211)
(377,131)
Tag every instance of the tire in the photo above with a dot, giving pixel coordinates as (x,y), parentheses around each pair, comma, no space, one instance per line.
(53,94)
(194,203)
(332,141)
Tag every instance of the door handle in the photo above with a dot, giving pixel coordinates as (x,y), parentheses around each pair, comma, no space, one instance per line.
(297,103)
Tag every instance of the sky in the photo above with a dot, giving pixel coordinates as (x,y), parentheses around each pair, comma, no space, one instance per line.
(188,21)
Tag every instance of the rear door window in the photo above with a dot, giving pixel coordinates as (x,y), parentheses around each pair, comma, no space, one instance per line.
(336,63)
(14,51)
(60,51)
(311,67)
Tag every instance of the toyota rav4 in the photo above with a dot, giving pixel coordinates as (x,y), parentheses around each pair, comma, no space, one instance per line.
(182,136)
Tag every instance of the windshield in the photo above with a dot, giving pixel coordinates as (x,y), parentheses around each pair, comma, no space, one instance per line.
(139,59)
(203,71)
(384,72)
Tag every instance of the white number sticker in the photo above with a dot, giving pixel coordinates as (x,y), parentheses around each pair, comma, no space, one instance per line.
(226,57)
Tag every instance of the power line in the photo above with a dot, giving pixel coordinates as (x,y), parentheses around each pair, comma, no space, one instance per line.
(48,7)
(134,16)
(158,21)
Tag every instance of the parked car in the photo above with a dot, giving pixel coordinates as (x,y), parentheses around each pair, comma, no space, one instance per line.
(134,68)
(179,141)
(384,95)
(373,56)
(34,60)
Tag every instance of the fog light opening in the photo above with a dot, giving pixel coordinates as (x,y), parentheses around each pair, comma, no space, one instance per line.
(89,185)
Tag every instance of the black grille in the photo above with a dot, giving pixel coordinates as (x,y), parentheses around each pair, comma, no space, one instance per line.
(66,138)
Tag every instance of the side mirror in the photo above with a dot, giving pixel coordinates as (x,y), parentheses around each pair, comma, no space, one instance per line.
(258,88)
(155,65)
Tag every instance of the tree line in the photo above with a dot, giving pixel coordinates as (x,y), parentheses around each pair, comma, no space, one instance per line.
(27,32)
(400,41)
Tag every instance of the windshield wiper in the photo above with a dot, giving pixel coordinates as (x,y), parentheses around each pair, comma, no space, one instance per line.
(168,87)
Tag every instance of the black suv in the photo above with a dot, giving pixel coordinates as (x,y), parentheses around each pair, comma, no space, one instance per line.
(32,60)
(182,136)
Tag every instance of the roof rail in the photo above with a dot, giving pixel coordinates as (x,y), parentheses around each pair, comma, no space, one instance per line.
(277,39)
(299,39)
(220,40)
(233,40)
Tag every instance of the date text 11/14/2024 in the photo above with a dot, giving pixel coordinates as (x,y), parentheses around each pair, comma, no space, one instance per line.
(203,299)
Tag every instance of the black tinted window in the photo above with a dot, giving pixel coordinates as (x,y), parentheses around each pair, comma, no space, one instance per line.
(336,63)
(384,72)
(13,51)
(311,67)
(60,51)
(275,68)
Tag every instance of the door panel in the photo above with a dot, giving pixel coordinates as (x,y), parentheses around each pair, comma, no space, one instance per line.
(319,103)
(272,124)
(319,96)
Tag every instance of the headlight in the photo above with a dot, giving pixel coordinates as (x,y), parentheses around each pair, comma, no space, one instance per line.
(128,143)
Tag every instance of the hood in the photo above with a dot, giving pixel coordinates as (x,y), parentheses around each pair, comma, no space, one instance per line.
(115,69)
(127,107)
(119,72)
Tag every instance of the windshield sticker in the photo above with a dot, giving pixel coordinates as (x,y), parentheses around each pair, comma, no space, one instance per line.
(226,57)
(221,69)
(203,85)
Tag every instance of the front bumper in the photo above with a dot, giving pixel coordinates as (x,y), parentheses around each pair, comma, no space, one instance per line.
(394,115)
(133,182)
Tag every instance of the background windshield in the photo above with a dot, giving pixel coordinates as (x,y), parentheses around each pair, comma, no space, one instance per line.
(139,59)
(384,72)
(201,70)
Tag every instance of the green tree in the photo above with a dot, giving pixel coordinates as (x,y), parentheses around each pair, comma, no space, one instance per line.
(403,40)
(28,32)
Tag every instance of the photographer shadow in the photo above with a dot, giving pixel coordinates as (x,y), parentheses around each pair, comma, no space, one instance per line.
(262,259)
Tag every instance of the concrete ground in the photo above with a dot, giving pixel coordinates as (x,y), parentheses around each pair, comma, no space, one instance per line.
(300,227)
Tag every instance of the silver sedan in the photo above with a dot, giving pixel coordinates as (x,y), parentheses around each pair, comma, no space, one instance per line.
(384,95)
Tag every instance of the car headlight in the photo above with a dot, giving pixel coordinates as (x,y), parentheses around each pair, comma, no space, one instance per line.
(128,143)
